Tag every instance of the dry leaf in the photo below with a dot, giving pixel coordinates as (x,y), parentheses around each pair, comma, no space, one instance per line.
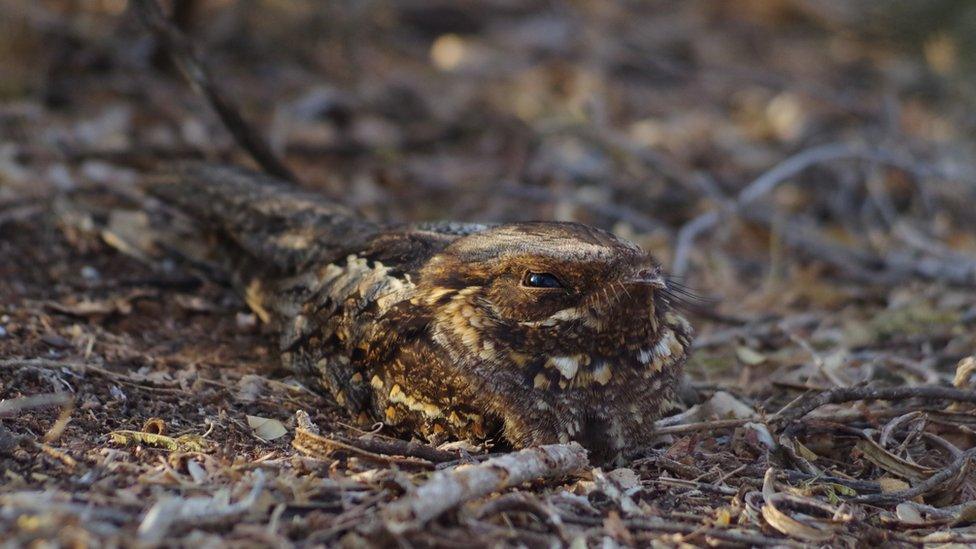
(724,405)
(892,463)
(889,485)
(749,356)
(266,428)
(907,513)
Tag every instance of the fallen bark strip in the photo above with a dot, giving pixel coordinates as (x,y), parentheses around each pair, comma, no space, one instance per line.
(850,394)
(448,489)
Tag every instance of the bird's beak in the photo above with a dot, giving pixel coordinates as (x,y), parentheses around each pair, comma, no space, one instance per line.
(652,278)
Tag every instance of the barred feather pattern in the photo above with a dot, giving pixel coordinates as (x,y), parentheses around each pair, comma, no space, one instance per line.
(436,329)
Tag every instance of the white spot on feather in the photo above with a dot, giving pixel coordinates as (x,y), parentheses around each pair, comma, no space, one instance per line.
(567,365)
(663,347)
(644,355)
(602,374)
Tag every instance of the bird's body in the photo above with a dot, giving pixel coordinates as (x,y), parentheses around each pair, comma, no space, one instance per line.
(533,332)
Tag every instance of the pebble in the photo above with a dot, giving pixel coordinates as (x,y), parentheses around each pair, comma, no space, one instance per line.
(56,341)
(246,321)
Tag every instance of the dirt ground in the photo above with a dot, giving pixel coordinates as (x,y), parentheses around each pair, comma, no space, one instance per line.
(806,168)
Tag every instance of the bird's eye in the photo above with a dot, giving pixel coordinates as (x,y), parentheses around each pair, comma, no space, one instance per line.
(541,280)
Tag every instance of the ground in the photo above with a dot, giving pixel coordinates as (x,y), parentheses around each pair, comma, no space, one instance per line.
(804,167)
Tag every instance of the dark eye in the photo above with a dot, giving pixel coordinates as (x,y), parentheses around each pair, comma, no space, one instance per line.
(541,280)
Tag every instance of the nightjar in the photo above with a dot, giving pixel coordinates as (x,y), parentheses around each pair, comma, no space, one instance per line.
(534,333)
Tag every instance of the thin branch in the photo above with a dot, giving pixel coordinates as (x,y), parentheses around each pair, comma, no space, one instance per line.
(398,447)
(703,426)
(767,183)
(185,55)
(619,212)
(448,489)
(661,525)
(850,394)
(15,405)
(923,487)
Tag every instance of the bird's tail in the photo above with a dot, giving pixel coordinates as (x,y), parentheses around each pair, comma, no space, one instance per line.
(255,228)
(274,222)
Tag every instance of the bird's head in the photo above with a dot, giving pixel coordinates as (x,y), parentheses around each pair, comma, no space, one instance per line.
(566,330)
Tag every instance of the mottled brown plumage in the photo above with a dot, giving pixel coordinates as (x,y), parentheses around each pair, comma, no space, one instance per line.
(534,332)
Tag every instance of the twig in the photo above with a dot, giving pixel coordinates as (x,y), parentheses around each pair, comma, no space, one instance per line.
(760,186)
(859,485)
(57,454)
(697,485)
(662,526)
(13,406)
(18,213)
(619,212)
(804,237)
(851,394)
(47,364)
(923,487)
(397,447)
(689,232)
(680,418)
(448,489)
(703,426)
(51,501)
(768,181)
(526,503)
(315,445)
(186,56)
(759,329)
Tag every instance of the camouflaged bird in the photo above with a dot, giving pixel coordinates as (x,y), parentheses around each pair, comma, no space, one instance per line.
(536,332)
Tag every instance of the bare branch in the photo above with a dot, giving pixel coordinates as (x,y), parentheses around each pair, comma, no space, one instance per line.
(847,260)
(186,56)
(850,394)
(13,406)
(448,489)
(924,487)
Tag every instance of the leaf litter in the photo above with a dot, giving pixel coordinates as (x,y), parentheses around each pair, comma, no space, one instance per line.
(821,203)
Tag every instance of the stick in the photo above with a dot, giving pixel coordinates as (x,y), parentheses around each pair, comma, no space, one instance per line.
(185,55)
(397,447)
(448,489)
(923,487)
(851,394)
(760,186)
(769,180)
(662,525)
(321,447)
(704,426)
(619,212)
(13,406)
(308,441)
